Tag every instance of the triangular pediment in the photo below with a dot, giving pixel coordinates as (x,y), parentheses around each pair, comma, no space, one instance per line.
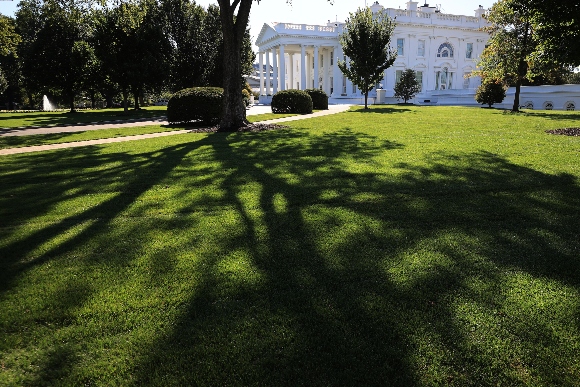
(267,33)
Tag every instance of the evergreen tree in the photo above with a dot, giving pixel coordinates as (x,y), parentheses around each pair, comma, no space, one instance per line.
(490,92)
(407,86)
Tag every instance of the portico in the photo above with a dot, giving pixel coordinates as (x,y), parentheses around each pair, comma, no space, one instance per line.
(299,56)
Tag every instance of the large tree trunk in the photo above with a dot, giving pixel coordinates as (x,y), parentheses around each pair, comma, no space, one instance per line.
(233,29)
(366,100)
(516,107)
(522,68)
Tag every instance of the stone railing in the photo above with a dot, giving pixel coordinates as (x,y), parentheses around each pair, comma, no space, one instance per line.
(307,27)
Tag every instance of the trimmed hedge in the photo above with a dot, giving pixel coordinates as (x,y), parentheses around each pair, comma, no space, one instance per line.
(196,104)
(319,99)
(292,101)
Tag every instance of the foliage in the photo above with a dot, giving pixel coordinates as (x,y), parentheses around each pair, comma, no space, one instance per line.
(9,38)
(54,46)
(490,92)
(292,101)
(196,104)
(515,52)
(133,47)
(366,43)
(3,82)
(558,29)
(319,99)
(408,86)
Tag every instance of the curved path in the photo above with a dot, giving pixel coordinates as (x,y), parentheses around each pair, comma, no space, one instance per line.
(332,109)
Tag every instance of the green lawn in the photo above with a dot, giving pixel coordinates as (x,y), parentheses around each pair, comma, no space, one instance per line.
(403,246)
(57,138)
(15,120)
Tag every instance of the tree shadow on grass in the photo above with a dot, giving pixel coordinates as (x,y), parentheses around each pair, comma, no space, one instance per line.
(341,296)
(312,266)
(380,110)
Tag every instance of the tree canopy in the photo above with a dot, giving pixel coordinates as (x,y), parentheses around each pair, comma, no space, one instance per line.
(366,43)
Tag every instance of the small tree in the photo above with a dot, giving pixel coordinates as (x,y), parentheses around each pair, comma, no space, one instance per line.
(407,86)
(490,92)
(366,42)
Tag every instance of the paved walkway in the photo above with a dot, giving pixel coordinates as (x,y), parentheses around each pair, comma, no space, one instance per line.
(254,110)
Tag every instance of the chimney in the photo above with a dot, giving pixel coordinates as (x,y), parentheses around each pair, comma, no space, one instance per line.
(376,7)
(480,12)
(412,5)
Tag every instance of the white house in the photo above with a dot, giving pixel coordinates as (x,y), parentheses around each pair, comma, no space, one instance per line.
(443,49)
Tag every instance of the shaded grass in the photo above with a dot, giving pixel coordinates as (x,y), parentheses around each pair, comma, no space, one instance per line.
(58,138)
(418,246)
(44,119)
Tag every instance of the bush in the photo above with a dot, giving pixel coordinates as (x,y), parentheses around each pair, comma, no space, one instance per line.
(292,101)
(196,104)
(319,99)
(246,97)
(490,92)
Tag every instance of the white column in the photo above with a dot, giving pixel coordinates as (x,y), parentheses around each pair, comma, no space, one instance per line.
(336,73)
(268,90)
(316,75)
(282,68)
(348,81)
(275,73)
(291,73)
(303,67)
(325,66)
(261,70)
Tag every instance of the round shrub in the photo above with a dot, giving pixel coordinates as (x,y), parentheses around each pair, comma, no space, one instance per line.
(292,101)
(319,99)
(246,97)
(196,104)
(490,92)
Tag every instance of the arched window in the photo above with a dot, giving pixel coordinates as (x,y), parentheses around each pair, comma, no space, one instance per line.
(445,51)
(570,106)
(548,105)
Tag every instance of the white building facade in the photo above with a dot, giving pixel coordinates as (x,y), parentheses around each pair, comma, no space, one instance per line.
(443,50)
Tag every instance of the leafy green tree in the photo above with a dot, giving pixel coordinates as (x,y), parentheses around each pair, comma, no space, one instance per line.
(133,47)
(490,92)
(558,29)
(366,43)
(407,86)
(55,48)
(184,27)
(9,40)
(512,45)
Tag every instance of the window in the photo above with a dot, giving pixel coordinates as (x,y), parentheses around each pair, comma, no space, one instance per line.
(445,51)
(398,75)
(469,51)
(443,79)
(331,85)
(466,80)
(421,48)
(419,78)
(332,58)
(343,85)
(570,106)
(400,44)
(353,88)
(548,106)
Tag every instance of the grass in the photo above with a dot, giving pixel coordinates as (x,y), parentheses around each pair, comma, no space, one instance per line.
(58,118)
(404,246)
(58,138)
